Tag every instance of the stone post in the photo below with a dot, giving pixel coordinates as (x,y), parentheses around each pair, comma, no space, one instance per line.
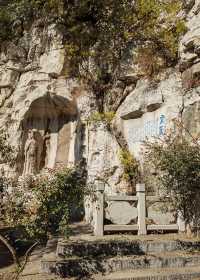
(140,189)
(99,209)
(181,223)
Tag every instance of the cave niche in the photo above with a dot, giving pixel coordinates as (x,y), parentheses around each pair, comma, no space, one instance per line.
(53,120)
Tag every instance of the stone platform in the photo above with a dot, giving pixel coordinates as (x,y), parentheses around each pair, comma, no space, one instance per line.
(123,257)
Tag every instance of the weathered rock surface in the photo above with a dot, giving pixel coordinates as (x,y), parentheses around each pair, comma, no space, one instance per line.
(150,109)
(36,92)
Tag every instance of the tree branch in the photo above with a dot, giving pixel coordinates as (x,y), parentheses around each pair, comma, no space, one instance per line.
(11,250)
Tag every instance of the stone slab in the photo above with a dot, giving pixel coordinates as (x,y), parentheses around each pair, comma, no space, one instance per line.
(156,274)
(159,216)
(120,227)
(121,212)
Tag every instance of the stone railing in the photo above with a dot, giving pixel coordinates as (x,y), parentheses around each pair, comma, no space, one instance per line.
(141,225)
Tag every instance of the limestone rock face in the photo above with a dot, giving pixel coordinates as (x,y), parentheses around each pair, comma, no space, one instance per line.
(149,109)
(36,92)
(103,158)
(189,45)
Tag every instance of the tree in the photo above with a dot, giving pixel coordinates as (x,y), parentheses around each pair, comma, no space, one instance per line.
(105,29)
(176,160)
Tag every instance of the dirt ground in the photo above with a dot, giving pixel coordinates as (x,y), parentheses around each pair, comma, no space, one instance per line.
(32,270)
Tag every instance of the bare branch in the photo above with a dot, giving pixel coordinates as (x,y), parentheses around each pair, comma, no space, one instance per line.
(22,266)
(11,250)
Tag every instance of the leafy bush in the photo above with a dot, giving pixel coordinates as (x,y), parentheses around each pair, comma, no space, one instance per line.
(7,152)
(104,29)
(177,163)
(98,35)
(43,204)
(5,25)
(131,167)
(106,117)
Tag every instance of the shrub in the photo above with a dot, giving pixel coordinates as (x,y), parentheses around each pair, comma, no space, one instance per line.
(7,152)
(131,167)
(5,25)
(43,204)
(103,29)
(106,117)
(177,163)
(149,62)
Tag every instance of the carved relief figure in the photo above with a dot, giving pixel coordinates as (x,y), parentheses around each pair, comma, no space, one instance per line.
(31,152)
(47,143)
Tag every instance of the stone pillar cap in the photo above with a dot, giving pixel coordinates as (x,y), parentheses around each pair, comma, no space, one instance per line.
(140,187)
(100,186)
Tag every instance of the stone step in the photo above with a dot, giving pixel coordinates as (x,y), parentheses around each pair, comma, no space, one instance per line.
(70,267)
(155,274)
(121,247)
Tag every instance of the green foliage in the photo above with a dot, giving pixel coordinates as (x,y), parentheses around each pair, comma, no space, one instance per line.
(131,167)
(149,61)
(106,117)
(5,25)
(103,29)
(177,164)
(43,204)
(98,35)
(7,152)
(160,36)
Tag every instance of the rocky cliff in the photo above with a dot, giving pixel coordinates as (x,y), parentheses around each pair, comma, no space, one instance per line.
(37,93)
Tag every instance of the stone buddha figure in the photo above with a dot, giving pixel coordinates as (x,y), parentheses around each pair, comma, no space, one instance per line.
(31,153)
(47,143)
